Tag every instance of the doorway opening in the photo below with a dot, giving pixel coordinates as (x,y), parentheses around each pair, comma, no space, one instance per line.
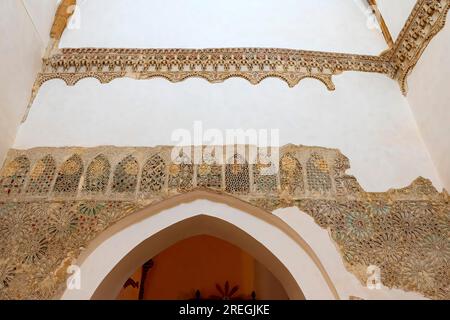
(202,267)
(115,255)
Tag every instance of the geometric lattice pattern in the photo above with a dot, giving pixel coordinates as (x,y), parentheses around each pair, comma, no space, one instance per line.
(237,179)
(181,173)
(97,175)
(42,176)
(265,177)
(404,232)
(408,240)
(125,175)
(209,171)
(153,175)
(13,176)
(69,175)
(209,176)
(318,174)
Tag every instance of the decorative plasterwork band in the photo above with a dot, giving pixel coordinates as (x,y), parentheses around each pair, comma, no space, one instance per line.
(252,64)
(55,201)
(215,65)
(426,20)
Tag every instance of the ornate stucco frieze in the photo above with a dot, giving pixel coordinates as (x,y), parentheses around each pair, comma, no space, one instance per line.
(252,64)
(214,65)
(55,201)
(426,21)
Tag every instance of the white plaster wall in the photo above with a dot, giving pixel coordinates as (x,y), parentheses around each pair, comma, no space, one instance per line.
(42,13)
(327,25)
(367,118)
(21,47)
(395,13)
(429,97)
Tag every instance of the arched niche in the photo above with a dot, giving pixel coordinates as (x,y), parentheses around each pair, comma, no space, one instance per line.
(115,254)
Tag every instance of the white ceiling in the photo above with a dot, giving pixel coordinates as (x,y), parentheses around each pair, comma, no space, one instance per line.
(395,13)
(325,25)
(24,29)
(42,14)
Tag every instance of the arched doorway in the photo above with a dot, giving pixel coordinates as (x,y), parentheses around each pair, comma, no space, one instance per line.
(116,254)
(202,268)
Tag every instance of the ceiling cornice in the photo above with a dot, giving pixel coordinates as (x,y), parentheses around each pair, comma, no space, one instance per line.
(214,65)
(425,22)
(253,64)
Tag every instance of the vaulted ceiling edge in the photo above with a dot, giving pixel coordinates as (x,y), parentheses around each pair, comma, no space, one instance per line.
(253,64)
(425,22)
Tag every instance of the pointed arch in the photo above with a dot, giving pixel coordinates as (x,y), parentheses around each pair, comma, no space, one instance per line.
(153,176)
(126,175)
(237,178)
(209,172)
(42,176)
(209,176)
(318,174)
(181,173)
(265,177)
(291,175)
(69,175)
(151,230)
(97,175)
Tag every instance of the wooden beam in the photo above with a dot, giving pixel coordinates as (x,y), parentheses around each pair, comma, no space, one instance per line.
(382,23)
(63,13)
